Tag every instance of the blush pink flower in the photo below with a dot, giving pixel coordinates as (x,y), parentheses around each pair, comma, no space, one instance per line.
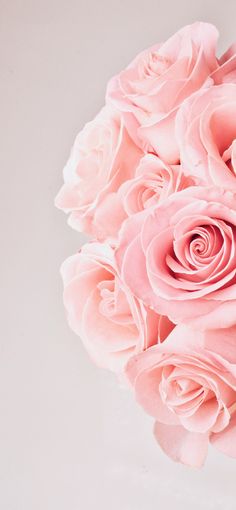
(153,296)
(102,158)
(191,392)
(180,257)
(111,322)
(153,182)
(206,132)
(149,91)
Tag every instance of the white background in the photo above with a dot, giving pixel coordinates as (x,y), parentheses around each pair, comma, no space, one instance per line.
(70,438)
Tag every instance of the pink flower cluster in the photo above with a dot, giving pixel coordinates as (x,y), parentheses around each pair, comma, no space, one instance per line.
(153,295)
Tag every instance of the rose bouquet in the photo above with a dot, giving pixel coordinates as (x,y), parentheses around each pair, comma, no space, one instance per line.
(152,179)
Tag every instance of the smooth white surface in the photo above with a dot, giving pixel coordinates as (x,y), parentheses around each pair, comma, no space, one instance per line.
(70,438)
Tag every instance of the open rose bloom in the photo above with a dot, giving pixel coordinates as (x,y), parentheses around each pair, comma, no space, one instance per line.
(152,295)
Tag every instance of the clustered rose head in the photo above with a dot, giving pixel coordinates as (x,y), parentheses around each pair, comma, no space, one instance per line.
(111,321)
(183,257)
(152,295)
(190,389)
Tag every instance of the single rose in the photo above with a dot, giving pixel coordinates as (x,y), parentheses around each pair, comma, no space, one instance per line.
(153,182)
(206,131)
(149,91)
(226,72)
(102,158)
(180,257)
(112,323)
(191,392)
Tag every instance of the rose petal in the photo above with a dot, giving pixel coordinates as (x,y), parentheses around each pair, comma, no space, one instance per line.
(225,441)
(181,445)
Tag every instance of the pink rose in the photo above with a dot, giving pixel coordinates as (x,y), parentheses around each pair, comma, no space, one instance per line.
(191,392)
(103,157)
(226,72)
(150,90)
(154,181)
(179,257)
(206,131)
(112,323)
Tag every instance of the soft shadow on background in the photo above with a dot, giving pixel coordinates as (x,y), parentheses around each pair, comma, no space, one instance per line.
(70,438)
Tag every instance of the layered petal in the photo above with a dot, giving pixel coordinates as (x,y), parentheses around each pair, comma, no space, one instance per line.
(102,159)
(111,322)
(183,252)
(180,445)
(149,91)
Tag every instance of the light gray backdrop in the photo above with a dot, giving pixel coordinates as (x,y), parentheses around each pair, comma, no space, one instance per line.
(70,438)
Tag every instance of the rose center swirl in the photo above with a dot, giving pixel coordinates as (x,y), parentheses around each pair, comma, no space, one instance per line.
(184,395)
(203,254)
(113,303)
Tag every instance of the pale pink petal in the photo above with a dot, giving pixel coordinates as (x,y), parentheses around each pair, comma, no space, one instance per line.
(181,445)
(225,441)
